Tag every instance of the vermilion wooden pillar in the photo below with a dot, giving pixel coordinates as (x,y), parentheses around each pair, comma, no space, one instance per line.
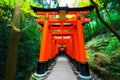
(44,40)
(71,47)
(83,65)
(75,38)
(81,42)
(42,63)
(53,47)
(68,49)
(56,49)
(49,46)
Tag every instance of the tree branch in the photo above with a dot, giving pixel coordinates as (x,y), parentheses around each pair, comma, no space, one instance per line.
(104,22)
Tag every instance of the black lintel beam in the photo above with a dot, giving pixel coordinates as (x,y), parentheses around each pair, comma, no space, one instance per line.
(35,9)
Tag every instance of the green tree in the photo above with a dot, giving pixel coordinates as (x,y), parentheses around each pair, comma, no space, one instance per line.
(96,5)
(10,70)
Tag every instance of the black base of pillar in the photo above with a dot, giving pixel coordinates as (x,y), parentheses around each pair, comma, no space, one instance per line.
(84,69)
(42,67)
(51,61)
(75,63)
(78,66)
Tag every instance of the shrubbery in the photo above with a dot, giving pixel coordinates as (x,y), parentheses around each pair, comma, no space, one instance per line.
(113,45)
(103,53)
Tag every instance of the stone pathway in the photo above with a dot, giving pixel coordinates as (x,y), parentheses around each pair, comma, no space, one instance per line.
(61,71)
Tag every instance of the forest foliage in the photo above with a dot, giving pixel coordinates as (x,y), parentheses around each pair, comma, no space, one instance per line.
(103,53)
(104,44)
(29,38)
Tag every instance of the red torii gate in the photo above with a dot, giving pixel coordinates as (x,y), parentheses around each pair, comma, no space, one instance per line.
(63,26)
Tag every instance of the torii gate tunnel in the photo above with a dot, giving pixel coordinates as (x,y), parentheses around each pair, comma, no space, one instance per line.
(62,29)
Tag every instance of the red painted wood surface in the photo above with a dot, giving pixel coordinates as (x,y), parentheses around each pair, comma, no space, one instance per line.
(58,33)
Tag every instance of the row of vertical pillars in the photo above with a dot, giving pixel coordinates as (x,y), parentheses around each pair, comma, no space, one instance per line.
(48,54)
(82,68)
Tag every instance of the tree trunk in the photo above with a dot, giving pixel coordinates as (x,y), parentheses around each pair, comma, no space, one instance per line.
(104,22)
(10,70)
